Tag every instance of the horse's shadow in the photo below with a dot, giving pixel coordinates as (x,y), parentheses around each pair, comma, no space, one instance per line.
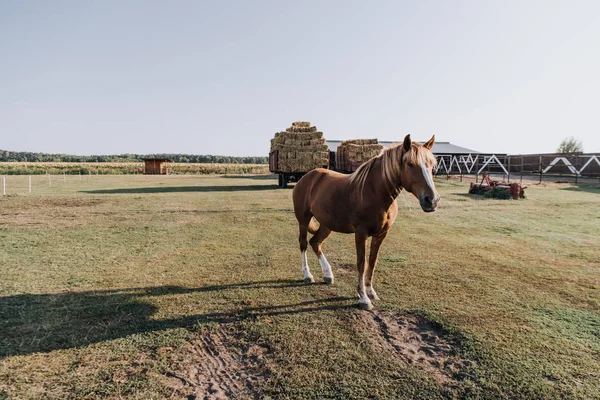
(182,189)
(31,323)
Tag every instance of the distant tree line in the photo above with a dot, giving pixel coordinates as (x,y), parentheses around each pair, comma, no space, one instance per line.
(22,156)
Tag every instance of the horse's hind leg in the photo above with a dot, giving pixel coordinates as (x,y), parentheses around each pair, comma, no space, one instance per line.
(303,246)
(316,241)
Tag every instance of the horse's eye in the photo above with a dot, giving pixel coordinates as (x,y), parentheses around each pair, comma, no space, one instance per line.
(411,164)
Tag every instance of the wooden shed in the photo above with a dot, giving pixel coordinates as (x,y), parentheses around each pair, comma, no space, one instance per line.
(157,166)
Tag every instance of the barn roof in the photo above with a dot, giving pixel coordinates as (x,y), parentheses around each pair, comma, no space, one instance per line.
(438,147)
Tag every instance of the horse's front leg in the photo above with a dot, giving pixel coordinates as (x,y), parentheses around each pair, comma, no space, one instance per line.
(373,257)
(361,249)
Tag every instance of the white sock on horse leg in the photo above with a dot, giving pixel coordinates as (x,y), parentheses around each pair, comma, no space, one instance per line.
(364,301)
(305,270)
(327,272)
(363,298)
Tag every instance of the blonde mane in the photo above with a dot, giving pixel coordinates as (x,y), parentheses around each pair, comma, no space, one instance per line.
(392,159)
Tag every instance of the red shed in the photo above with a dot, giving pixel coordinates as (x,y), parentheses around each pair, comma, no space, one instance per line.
(157,166)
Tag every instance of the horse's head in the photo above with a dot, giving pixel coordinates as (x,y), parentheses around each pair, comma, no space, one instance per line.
(416,171)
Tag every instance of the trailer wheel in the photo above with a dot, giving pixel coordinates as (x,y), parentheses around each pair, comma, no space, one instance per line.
(280,180)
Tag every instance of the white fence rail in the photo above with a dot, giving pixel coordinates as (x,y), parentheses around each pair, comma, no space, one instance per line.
(23,184)
(575,166)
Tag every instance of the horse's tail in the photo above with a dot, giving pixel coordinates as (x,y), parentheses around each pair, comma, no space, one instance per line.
(313,226)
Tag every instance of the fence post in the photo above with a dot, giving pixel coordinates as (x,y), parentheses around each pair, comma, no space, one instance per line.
(49,180)
(29,183)
(540,169)
(576,168)
(3,186)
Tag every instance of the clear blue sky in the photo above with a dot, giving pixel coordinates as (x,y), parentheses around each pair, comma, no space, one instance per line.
(220,77)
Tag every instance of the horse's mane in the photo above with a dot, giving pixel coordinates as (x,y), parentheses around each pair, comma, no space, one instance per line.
(391,165)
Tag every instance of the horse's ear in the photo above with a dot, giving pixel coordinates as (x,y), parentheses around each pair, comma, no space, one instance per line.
(429,144)
(407,143)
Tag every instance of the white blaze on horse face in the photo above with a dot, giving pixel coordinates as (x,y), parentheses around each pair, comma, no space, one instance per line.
(305,270)
(428,178)
(327,273)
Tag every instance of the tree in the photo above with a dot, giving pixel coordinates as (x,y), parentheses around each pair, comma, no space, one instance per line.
(570,145)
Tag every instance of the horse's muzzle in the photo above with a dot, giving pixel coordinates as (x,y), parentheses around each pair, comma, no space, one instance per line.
(428,203)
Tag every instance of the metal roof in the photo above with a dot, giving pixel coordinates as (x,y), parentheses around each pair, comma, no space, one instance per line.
(438,147)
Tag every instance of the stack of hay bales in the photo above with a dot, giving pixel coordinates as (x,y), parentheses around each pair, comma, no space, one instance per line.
(352,153)
(300,148)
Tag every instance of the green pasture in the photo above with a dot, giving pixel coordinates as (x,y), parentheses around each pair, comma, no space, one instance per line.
(109,283)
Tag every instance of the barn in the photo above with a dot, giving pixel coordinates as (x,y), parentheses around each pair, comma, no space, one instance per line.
(157,166)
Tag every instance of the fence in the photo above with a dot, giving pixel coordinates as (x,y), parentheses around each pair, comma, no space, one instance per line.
(572,167)
(19,184)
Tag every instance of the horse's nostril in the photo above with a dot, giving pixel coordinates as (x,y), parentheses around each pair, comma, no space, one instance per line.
(428,200)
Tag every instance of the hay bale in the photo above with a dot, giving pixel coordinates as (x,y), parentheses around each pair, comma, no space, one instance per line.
(300,148)
(303,135)
(301,124)
(302,139)
(301,129)
(359,141)
(352,153)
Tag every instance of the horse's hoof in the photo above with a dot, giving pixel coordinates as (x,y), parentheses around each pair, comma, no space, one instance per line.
(309,280)
(328,281)
(365,306)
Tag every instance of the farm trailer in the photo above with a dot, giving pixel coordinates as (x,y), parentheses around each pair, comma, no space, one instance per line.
(336,162)
(284,176)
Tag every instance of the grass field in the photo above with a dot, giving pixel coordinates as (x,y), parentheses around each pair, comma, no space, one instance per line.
(185,286)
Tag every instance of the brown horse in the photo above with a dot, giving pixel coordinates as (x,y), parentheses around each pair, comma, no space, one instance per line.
(363,203)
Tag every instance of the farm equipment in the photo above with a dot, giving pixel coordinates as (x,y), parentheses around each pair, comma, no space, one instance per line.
(296,151)
(496,189)
(285,177)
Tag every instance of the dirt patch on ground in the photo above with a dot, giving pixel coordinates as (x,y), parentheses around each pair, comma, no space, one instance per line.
(71,202)
(346,269)
(413,340)
(214,366)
